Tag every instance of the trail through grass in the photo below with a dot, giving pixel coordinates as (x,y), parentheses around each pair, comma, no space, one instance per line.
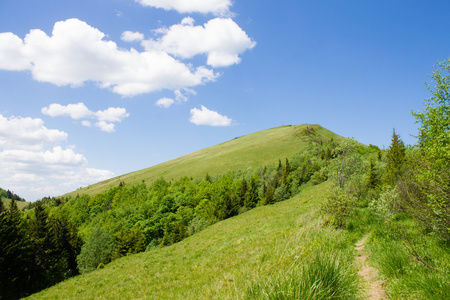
(373,285)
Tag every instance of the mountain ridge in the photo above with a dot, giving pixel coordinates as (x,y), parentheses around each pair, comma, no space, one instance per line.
(251,150)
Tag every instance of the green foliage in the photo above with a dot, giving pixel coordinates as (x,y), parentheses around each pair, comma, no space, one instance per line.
(401,252)
(129,242)
(338,206)
(395,159)
(97,250)
(434,134)
(386,205)
(15,253)
(426,188)
(35,252)
(253,150)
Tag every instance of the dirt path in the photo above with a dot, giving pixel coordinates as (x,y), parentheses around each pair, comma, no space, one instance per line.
(374,288)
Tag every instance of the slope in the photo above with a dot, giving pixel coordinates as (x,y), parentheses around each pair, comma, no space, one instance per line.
(253,150)
(234,258)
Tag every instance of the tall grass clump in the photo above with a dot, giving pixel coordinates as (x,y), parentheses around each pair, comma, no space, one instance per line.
(415,266)
(327,276)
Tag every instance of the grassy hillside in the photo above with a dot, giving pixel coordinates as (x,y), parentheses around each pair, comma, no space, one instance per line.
(233,259)
(20,204)
(252,150)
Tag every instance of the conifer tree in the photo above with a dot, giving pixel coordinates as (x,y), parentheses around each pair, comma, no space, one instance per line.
(242,192)
(251,196)
(286,172)
(372,178)
(15,254)
(395,159)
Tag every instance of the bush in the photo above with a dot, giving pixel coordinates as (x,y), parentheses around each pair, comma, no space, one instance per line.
(339,206)
(97,250)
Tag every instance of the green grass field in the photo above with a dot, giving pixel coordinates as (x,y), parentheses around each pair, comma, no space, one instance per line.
(263,147)
(20,204)
(237,258)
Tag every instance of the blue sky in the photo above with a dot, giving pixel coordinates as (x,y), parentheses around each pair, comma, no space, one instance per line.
(99,88)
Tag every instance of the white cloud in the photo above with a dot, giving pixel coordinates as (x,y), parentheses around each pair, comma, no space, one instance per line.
(75,111)
(112,114)
(221,40)
(105,126)
(180,97)
(33,163)
(27,133)
(217,7)
(165,102)
(76,53)
(12,56)
(130,36)
(105,118)
(86,123)
(208,117)
(55,156)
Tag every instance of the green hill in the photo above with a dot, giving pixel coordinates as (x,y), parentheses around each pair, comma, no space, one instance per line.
(20,204)
(233,259)
(253,150)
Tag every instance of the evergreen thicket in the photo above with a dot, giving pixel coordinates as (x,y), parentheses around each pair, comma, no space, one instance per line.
(36,251)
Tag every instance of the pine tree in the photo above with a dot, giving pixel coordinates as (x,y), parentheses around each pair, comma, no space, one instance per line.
(45,256)
(395,159)
(242,192)
(251,196)
(286,172)
(15,254)
(372,178)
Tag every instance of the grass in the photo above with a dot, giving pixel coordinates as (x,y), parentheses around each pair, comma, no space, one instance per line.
(253,150)
(20,204)
(325,275)
(230,260)
(405,276)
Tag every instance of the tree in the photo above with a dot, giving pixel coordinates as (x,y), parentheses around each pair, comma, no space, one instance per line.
(372,178)
(251,196)
(286,172)
(15,253)
(43,248)
(395,159)
(242,191)
(425,189)
(97,250)
(434,131)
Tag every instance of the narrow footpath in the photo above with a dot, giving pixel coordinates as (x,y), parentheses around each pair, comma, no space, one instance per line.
(373,287)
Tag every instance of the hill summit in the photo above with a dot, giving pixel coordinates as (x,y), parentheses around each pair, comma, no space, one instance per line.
(253,150)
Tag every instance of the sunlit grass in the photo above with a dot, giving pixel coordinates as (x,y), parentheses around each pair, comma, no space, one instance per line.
(222,261)
(253,150)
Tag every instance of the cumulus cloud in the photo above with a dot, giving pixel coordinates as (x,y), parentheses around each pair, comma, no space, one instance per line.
(208,117)
(130,36)
(105,118)
(75,111)
(165,102)
(34,163)
(27,133)
(221,40)
(76,53)
(217,7)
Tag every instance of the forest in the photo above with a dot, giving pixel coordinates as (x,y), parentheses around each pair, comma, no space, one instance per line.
(401,194)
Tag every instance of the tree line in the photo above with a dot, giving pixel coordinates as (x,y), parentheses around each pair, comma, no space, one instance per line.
(10,195)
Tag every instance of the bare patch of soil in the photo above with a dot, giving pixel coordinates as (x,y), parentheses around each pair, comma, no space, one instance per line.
(374,288)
